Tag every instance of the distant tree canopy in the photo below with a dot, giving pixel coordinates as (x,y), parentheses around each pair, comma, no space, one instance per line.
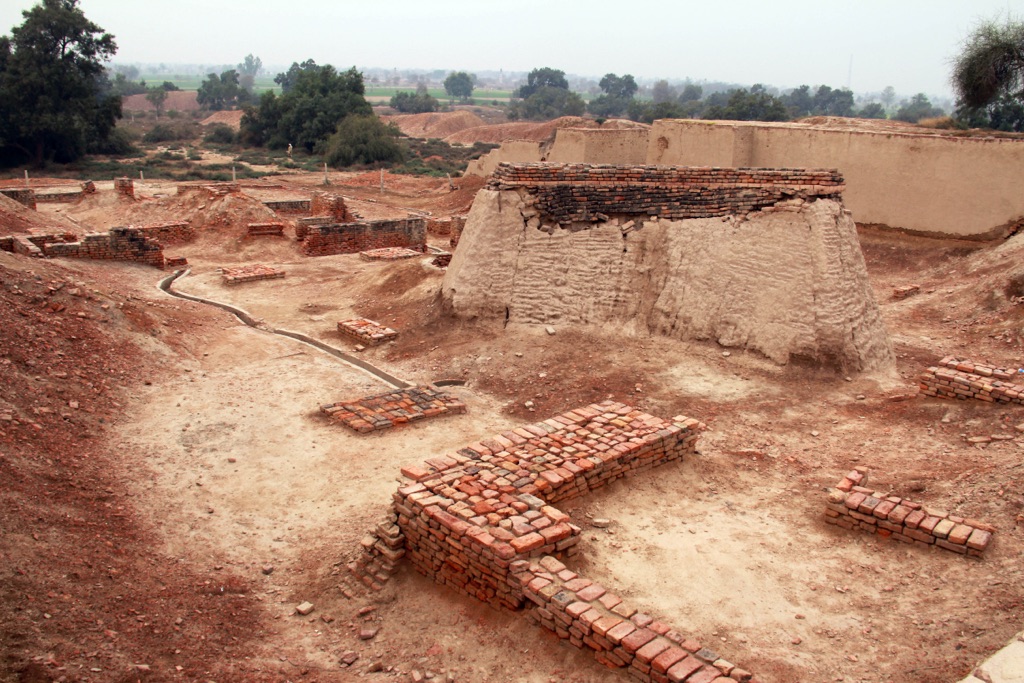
(157,97)
(248,70)
(222,92)
(988,77)
(756,105)
(56,101)
(872,110)
(363,139)
(316,100)
(824,102)
(917,108)
(414,103)
(618,93)
(544,77)
(459,85)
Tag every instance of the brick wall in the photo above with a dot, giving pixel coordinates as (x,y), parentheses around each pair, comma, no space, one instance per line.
(24,196)
(963,379)
(125,186)
(568,193)
(349,238)
(330,205)
(851,505)
(120,244)
(289,206)
(168,233)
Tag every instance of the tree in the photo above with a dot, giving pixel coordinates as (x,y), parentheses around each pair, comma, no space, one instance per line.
(888,96)
(618,93)
(755,105)
(157,97)
(287,79)
(799,101)
(308,111)
(55,98)
(1005,113)
(917,108)
(691,93)
(222,92)
(409,103)
(548,103)
(661,91)
(544,77)
(248,70)
(991,64)
(363,139)
(872,110)
(459,84)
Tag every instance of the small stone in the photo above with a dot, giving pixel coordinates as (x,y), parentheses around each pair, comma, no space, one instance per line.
(796,640)
(363,611)
(601,523)
(349,658)
(979,439)
(375,667)
(304,609)
(416,676)
(726,354)
(947,418)
(368,633)
(861,397)
(232,460)
(799,616)
(550,330)
(1020,427)
(360,347)
(815,432)
(268,569)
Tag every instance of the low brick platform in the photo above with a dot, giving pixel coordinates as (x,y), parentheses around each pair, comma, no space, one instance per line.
(389,254)
(442,260)
(256,271)
(384,411)
(963,379)
(905,291)
(366,331)
(265,229)
(854,506)
(175,262)
(169,233)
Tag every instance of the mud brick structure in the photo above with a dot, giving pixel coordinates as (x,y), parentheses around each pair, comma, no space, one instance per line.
(24,196)
(331,206)
(456,233)
(366,331)
(851,505)
(963,379)
(120,244)
(59,197)
(389,254)
(250,273)
(288,206)
(214,190)
(443,227)
(383,411)
(175,261)
(905,291)
(169,233)
(442,260)
(619,636)
(265,229)
(125,187)
(350,238)
(584,193)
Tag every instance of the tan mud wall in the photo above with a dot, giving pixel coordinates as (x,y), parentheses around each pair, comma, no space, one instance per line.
(786,283)
(571,145)
(963,187)
(513,151)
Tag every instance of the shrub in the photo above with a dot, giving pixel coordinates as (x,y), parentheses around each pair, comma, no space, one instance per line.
(165,133)
(219,134)
(363,140)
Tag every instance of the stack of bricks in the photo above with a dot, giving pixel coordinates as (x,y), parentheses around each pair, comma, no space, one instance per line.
(34,245)
(383,548)
(383,411)
(125,187)
(215,190)
(169,233)
(389,254)
(24,196)
(963,379)
(259,229)
(443,227)
(851,505)
(905,291)
(442,260)
(120,244)
(175,261)
(471,514)
(330,206)
(581,193)
(288,205)
(593,619)
(366,331)
(350,238)
(250,273)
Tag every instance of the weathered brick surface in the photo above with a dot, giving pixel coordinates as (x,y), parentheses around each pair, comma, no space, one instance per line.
(350,238)
(289,206)
(442,260)
(389,254)
(383,411)
(905,291)
(250,273)
(25,196)
(444,227)
(125,187)
(366,331)
(262,229)
(120,244)
(963,379)
(582,193)
(169,233)
(852,505)
(331,206)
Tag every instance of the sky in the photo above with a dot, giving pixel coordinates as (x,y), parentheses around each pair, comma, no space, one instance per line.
(862,44)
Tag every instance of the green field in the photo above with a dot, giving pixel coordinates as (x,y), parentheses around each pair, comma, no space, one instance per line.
(193,81)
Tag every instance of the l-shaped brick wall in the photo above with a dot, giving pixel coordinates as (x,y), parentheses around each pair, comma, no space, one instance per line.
(350,238)
(570,193)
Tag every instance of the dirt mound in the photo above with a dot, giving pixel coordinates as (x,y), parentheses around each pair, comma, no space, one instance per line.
(177,100)
(17,219)
(531,130)
(435,124)
(228,118)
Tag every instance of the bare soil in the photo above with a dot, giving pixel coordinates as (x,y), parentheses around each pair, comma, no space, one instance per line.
(171,492)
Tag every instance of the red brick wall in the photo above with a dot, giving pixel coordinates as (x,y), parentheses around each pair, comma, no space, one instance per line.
(349,238)
(332,205)
(24,196)
(120,244)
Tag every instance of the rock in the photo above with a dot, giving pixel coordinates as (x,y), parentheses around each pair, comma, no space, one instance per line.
(268,569)
(375,667)
(815,432)
(363,611)
(349,658)
(601,523)
(304,609)
(416,676)
(368,633)
(836,497)
(861,397)
(726,354)
(549,329)
(979,439)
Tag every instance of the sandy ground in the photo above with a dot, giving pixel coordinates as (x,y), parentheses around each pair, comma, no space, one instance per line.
(242,482)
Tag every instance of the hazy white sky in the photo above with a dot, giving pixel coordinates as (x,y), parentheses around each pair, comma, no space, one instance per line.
(904,43)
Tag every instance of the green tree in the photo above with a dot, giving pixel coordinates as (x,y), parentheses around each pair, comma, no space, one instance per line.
(755,105)
(991,64)
(55,98)
(122,87)
(661,91)
(310,109)
(917,108)
(410,103)
(289,78)
(691,93)
(544,77)
(872,110)
(248,70)
(799,101)
(222,92)
(157,96)
(1006,113)
(618,93)
(363,139)
(459,84)
(548,103)
(888,96)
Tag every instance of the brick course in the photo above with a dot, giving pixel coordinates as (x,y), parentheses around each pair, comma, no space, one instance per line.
(851,505)
(250,273)
(125,187)
(24,196)
(582,193)
(261,229)
(963,379)
(120,244)
(366,331)
(350,238)
(383,411)
(389,254)
(169,233)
